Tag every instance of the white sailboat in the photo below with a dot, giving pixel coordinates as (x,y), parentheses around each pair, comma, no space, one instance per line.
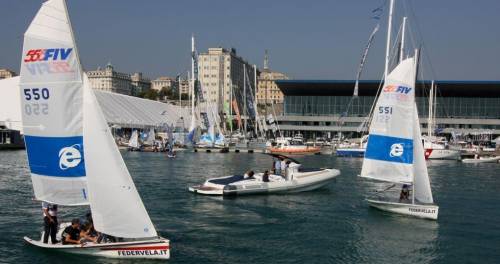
(74,159)
(133,142)
(394,152)
(434,147)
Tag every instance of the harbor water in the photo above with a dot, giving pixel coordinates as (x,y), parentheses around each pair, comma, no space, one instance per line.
(330,225)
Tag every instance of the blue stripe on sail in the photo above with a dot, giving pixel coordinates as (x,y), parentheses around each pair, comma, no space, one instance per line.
(392,149)
(56,156)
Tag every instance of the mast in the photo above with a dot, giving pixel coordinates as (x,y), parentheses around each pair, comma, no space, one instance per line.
(430,119)
(255,101)
(231,105)
(418,124)
(179,87)
(245,98)
(402,48)
(266,66)
(192,76)
(388,44)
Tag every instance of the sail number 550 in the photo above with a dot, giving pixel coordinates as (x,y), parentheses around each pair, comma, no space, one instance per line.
(36,94)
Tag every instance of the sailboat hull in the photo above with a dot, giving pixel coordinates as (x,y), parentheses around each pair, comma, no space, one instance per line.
(442,154)
(236,185)
(426,211)
(149,249)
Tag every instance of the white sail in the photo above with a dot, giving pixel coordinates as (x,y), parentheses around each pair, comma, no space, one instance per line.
(151,137)
(133,142)
(51,92)
(389,153)
(421,185)
(117,208)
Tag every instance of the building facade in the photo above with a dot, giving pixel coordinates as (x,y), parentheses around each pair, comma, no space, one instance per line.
(184,86)
(7,73)
(321,108)
(162,82)
(268,91)
(222,78)
(139,83)
(109,80)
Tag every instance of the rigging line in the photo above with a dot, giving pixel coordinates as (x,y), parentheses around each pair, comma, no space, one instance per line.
(420,35)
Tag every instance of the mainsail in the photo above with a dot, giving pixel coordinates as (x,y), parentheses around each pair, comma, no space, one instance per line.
(390,151)
(150,140)
(51,92)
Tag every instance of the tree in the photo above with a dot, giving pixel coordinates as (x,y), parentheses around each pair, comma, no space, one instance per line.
(150,94)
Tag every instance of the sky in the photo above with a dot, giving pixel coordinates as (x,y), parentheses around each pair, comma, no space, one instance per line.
(321,39)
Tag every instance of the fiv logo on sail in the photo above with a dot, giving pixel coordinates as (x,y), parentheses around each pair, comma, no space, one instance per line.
(47,61)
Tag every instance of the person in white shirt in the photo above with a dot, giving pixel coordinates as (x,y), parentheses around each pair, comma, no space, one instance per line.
(277,167)
(290,167)
(50,222)
(283,167)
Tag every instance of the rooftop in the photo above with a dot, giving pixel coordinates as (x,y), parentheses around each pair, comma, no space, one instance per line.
(446,88)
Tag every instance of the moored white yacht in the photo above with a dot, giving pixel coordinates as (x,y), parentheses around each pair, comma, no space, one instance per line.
(436,150)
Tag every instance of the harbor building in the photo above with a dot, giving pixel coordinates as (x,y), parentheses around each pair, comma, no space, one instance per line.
(184,85)
(324,107)
(139,83)
(267,91)
(7,73)
(220,72)
(162,82)
(109,80)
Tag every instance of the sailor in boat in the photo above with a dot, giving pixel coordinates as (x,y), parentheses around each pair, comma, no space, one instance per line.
(405,193)
(248,175)
(283,166)
(265,176)
(288,169)
(71,234)
(90,224)
(50,222)
(277,166)
(87,234)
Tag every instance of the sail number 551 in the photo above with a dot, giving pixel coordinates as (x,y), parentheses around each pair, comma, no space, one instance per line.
(385,110)
(36,94)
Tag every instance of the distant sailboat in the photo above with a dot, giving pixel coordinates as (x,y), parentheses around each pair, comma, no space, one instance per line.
(133,142)
(74,160)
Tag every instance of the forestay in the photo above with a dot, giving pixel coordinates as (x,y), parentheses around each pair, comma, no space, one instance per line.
(51,92)
(389,154)
(117,208)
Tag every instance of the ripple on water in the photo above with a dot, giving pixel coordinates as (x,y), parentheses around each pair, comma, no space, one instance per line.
(331,225)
